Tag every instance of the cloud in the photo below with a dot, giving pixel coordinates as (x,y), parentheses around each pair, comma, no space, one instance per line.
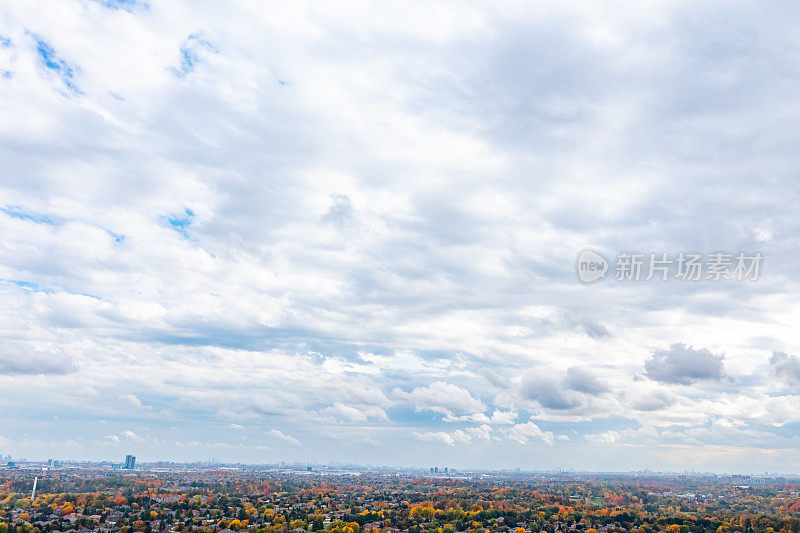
(341,210)
(550,393)
(503,417)
(594,329)
(498,418)
(133,401)
(444,398)
(524,433)
(457,436)
(133,437)
(494,378)
(785,367)
(340,412)
(17,358)
(606,437)
(278,434)
(582,380)
(681,364)
(275,228)
(365,395)
(652,401)
(241,416)
(562,391)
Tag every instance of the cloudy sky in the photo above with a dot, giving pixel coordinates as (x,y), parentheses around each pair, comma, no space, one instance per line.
(347,231)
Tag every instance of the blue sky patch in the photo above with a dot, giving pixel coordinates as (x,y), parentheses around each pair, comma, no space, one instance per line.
(27,285)
(181,223)
(124,5)
(51,60)
(184,221)
(191,51)
(32,286)
(39,218)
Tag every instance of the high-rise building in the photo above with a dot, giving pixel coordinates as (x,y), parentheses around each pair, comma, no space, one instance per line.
(130,462)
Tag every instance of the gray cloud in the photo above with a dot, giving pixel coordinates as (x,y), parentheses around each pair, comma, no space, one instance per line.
(18,358)
(681,364)
(562,391)
(341,210)
(594,330)
(785,367)
(550,393)
(582,380)
(494,378)
(652,401)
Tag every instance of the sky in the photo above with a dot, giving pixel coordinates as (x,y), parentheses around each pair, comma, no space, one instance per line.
(348,231)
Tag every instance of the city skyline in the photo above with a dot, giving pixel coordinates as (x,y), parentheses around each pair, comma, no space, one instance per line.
(342,468)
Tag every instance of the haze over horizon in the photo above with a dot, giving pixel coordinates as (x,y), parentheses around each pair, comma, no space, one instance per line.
(81,467)
(265,231)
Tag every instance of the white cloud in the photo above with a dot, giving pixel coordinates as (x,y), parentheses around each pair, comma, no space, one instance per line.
(458,436)
(524,433)
(133,401)
(339,412)
(131,436)
(444,398)
(278,434)
(605,437)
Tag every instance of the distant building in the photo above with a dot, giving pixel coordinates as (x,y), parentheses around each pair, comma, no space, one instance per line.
(130,462)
